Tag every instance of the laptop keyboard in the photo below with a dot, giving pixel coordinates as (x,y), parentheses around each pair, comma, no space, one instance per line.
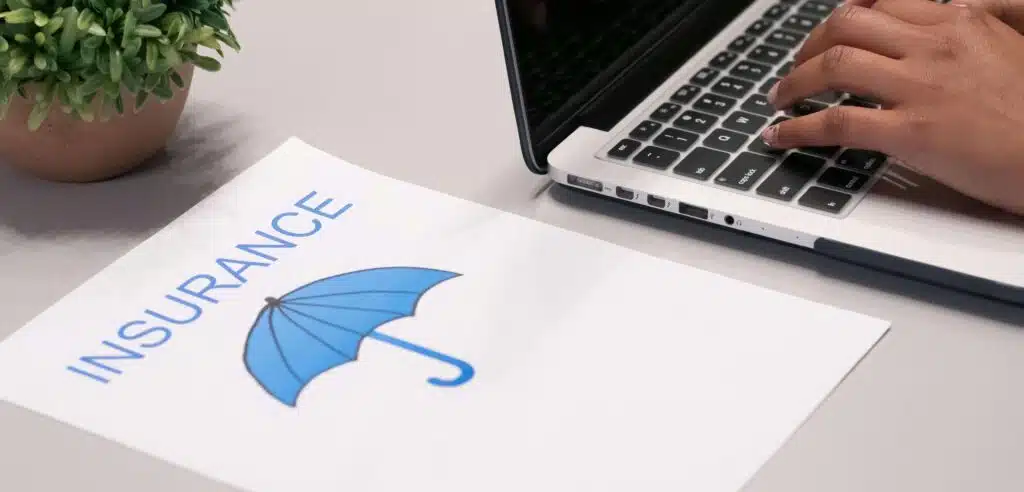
(708,129)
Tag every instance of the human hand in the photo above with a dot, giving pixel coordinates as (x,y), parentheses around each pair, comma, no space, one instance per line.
(1008,11)
(951,83)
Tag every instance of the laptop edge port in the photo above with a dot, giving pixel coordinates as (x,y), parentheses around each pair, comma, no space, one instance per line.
(656,201)
(693,211)
(590,184)
(624,193)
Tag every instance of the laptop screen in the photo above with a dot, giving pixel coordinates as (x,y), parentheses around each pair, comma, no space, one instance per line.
(562,45)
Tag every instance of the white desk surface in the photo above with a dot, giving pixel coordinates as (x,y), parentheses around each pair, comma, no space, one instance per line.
(417,91)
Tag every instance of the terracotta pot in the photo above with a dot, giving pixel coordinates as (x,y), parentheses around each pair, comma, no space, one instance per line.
(70,150)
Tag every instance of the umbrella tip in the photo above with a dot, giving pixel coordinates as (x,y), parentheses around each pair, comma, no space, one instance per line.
(271,301)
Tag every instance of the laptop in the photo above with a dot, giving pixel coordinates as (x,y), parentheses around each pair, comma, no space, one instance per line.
(659,103)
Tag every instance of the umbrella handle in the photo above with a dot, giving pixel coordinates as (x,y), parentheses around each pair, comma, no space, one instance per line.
(466,371)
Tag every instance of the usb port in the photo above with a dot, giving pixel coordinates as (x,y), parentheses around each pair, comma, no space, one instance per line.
(656,201)
(586,183)
(624,193)
(693,211)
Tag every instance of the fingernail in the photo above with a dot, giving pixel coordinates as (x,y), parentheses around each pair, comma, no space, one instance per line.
(773,93)
(770,135)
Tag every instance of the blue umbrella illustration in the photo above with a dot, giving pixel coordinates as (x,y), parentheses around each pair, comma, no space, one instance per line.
(322,325)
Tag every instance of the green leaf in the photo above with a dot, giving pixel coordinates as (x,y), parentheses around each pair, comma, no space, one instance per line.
(151,13)
(116,66)
(130,22)
(140,100)
(53,25)
(93,42)
(131,50)
(4,45)
(176,78)
(85,20)
(214,19)
(152,53)
(39,113)
(131,81)
(97,30)
(206,63)
(40,61)
(171,55)
(19,16)
(198,35)
(229,40)
(163,89)
(152,80)
(40,19)
(16,64)
(147,31)
(19,4)
(21,38)
(91,85)
(88,54)
(40,38)
(69,35)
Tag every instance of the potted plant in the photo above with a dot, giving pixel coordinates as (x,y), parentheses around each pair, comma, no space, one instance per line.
(89,89)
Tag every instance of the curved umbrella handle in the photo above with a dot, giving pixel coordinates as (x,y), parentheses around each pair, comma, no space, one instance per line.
(466,371)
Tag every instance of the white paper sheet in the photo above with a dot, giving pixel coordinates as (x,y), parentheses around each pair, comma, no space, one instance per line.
(590,367)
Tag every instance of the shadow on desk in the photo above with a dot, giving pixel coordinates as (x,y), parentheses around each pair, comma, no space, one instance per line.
(847,272)
(144,200)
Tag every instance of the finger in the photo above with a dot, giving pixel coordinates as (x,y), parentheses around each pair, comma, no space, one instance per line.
(920,12)
(844,126)
(863,28)
(843,69)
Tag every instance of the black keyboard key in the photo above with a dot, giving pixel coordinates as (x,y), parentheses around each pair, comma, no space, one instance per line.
(733,87)
(759,27)
(801,23)
(817,9)
(828,97)
(784,70)
(624,149)
(666,112)
(742,44)
(767,54)
(776,12)
(725,140)
(701,163)
(767,85)
(863,98)
(843,179)
(686,94)
(723,60)
(867,161)
(750,70)
(806,107)
(704,77)
(714,104)
(858,103)
(825,200)
(656,157)
(744,122)
(645,130)
(785,39)
(822,151)
(745,170)
(790,177)
(758,104)
(675,139)
(696,122)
